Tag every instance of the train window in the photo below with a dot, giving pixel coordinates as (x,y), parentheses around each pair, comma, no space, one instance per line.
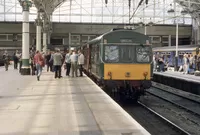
(112,53)
(143,54)
(126,54)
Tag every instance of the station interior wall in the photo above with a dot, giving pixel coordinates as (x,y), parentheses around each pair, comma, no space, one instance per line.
(78,33)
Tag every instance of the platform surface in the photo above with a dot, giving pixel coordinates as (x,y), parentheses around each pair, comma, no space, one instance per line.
(180,75)
(67,106)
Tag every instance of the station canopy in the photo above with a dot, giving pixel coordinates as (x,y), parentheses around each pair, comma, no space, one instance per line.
(97,11)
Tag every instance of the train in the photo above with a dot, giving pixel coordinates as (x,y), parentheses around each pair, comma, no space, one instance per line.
(169,53)
(120,61)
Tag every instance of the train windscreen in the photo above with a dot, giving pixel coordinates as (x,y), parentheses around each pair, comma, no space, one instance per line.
(143,54)
(127,54)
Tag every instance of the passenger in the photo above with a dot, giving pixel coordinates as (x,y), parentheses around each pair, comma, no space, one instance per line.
(51,61)
(198,63)
(185,64)
(39,62)
(20,62)
(166,66)
(15,60)
(18,55)
(33,66)
(189,65)
(68,62)
(161,63)
(57,62)
(191,62)
(48,63)
(80,62)
(6,59)
(74,60)
(154,63)
(181,64)
(63,55)
(195,62)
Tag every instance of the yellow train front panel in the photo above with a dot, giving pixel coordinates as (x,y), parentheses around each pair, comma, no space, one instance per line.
(127,71)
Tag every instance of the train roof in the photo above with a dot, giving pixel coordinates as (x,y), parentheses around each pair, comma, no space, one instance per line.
(99,39)
(173,48)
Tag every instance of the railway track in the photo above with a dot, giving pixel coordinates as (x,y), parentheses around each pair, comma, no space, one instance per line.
(179,110)
(190,105)
(153,122)
(160,117)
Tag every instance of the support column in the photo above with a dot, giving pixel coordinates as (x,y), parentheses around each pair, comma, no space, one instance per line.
(49,39)
(170,40)
(25,70)
(45,42)
(38,23)
(198,35)
(69,41)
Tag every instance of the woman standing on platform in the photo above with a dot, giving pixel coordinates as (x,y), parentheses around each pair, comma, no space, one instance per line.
(39,62)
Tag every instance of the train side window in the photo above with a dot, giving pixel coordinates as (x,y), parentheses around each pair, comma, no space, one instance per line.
(97,55)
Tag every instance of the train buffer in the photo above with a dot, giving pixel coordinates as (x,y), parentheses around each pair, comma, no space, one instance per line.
(66,106)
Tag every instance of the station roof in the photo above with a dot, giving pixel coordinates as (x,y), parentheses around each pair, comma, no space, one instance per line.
(96,11)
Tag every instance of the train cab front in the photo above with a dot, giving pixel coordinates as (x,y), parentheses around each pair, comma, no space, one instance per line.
(137,75)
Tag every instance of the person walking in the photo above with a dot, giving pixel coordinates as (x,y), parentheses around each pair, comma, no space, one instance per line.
(15,60)
(48,62)
(39,63)
(68,62)
(57,62)
(6,60)
(74,60)
(18,55)
(81,62)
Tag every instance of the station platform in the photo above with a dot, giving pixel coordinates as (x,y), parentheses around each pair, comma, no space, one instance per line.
(185,82)
(66,106)
(180,75)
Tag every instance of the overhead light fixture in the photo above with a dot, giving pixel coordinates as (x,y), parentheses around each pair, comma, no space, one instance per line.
(171,10)
(150,23)
(140,23)
(184,12)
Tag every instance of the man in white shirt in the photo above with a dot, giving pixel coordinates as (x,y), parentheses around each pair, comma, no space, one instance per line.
(80,62)
(74,60)
(68,62)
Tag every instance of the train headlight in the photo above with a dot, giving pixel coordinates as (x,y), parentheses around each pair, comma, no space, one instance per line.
(145,74)
(109,74)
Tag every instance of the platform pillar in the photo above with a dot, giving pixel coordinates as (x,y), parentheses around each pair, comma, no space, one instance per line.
(170,40)
(44,42)
(25,70)
(38,23)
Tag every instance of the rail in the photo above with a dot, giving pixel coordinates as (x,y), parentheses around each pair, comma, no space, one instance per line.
(182,131)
